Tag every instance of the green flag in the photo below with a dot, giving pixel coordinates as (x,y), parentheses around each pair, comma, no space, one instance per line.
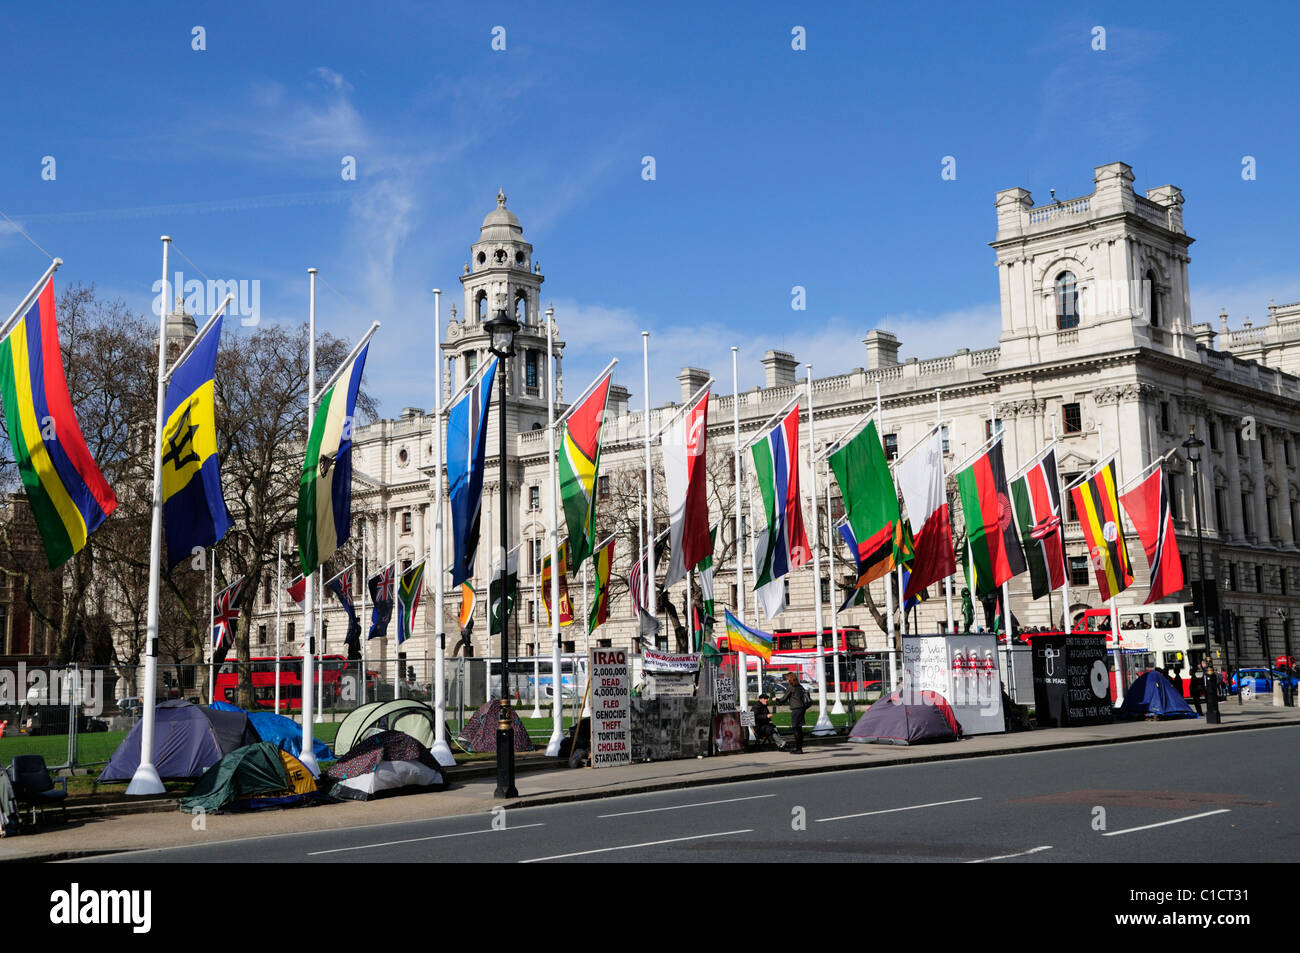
(870,500)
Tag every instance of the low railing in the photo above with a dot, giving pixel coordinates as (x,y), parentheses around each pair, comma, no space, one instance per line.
(1060,209)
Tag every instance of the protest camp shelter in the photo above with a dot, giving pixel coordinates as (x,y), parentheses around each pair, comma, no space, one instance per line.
(280,731)
(480,732)
(257,775)
(383,764)
(922,717)
(401,714)
(187,741)
(1153,695)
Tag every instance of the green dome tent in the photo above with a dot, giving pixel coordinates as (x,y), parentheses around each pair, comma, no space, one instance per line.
(403,714)
(259,775)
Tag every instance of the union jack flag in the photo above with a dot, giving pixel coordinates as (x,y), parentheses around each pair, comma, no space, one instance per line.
(224,616)
(381,597)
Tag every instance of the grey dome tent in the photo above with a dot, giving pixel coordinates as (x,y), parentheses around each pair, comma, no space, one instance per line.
(891,722)
(480,732)
(402,714)
(187,741)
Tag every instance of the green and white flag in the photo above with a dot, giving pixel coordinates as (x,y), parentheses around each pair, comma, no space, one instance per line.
(325,492)
(705,568)
(494,589)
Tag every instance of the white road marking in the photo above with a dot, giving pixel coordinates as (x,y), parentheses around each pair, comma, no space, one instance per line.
(985,860)
(1176,820)
(652,843)
(415,840)
(894,810)
(677,807)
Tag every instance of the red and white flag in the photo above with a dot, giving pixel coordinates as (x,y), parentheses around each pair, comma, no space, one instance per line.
(298,590)
(685,481)
(920,478)
(1147,505)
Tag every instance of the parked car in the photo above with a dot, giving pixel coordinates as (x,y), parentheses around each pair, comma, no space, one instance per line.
(1251,681)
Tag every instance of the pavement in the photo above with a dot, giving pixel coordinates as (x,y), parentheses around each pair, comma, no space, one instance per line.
(98,832)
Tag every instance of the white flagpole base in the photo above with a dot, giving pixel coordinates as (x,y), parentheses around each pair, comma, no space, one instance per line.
(553,746)
(441,752)
(537,712)
(145,781)
(838,707)
(308,759)
(823,726)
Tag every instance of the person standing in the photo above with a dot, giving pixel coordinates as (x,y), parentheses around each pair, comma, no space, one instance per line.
(797,699)
(1197,688)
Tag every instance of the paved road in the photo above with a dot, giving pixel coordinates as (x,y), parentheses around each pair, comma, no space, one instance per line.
(1224,797)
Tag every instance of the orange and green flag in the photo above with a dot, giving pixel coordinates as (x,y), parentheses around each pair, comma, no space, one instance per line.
(566,606)
(579,461)
(68,495)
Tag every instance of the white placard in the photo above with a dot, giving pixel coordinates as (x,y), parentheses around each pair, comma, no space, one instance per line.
(611,693)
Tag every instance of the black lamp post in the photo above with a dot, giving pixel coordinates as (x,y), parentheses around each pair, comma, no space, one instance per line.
(1191,445)
(501,330)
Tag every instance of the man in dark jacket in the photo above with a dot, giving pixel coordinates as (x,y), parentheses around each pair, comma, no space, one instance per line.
(797,699)
(763,726)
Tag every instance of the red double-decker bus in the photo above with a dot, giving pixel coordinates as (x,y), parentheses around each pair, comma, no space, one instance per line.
(330,673)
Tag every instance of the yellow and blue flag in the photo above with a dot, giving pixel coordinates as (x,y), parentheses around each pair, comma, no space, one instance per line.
(194,510)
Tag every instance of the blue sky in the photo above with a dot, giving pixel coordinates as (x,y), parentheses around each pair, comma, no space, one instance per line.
(774,168)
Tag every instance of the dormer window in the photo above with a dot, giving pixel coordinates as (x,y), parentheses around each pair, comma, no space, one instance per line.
(1067,301)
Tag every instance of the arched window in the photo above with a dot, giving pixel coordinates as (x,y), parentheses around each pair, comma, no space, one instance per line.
(521,309)
(481,306)
(1067,301)
(1153,301)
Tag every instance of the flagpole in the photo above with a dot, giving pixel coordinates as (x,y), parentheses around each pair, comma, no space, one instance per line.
(552,471)
(146,780)
(741,658)
(441,751)
(947,581)
(320,652)
(212,611)
(307,755)
(279,559)
(586,641)
(1121,680)
(40,283)
(1065,557)
(838,708)
(823,726)
(889,590)
(651,595)
(1006,596)
(537,664)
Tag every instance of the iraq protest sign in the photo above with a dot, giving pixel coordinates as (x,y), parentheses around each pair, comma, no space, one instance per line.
(611,692)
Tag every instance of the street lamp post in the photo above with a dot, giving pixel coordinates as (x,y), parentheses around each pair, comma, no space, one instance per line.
(501,329)
(1191,445)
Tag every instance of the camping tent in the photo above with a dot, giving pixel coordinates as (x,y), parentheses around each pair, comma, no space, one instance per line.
(187,741)
(402,714)
(1153,694)
(480,732)
(890,721)
(279,730)
(390,762)
(257,775)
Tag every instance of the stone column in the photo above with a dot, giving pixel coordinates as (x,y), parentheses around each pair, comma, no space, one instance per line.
(1236,525)
(417,524)
(1282,504)
(1209,517)
(1255,453)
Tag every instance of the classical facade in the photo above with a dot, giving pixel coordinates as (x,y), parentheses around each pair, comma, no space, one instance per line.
(1098,347)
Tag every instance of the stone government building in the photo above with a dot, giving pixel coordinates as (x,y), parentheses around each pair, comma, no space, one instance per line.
(1097,337)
